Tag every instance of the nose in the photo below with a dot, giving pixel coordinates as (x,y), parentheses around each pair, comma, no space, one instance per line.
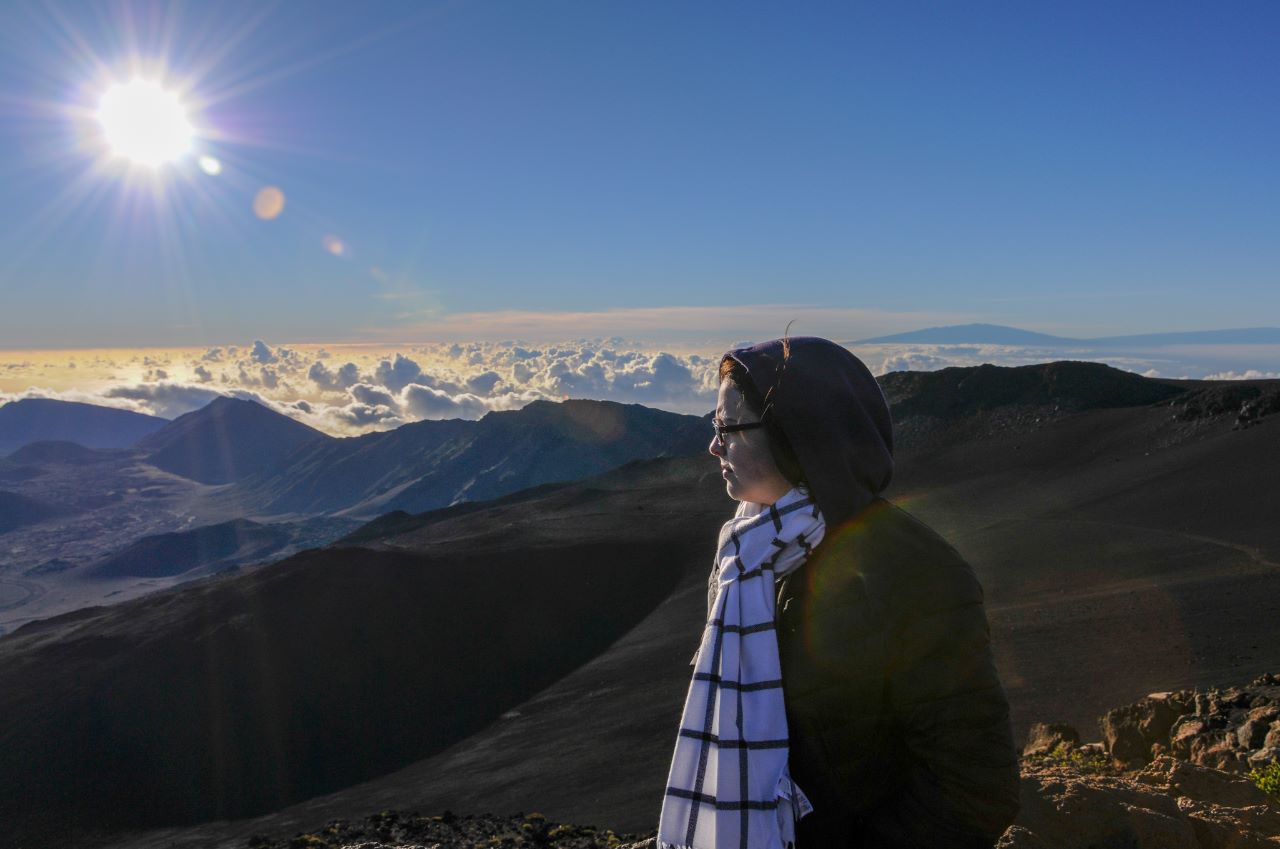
(716,449)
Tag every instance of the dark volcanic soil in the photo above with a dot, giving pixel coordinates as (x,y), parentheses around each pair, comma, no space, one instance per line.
(449,831)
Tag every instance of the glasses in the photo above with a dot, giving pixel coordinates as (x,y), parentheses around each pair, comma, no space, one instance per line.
(721,429)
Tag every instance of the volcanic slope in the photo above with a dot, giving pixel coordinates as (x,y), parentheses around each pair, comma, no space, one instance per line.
(1123,549)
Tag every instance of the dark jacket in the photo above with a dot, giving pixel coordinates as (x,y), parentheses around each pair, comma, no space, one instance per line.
(899,727)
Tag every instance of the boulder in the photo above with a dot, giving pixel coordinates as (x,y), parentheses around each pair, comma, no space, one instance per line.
(1253,731)
(1218,749)
(1045,737)
(1272,740)
(1129,732)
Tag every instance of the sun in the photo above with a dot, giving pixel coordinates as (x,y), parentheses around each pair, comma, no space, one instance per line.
(145,123)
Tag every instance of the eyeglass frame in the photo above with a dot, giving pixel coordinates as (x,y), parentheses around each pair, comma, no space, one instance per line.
(722,429)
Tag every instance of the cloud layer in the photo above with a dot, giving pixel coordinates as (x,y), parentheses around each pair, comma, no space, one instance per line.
(351,389)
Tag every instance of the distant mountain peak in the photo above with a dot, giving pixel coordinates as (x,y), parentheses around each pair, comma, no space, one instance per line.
(227,439)
(971,334)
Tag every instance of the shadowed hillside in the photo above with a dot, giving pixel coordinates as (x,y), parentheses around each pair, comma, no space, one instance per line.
(238,696)
(226,440)
(176,553)
(17,511)
(32,419)
(59,451)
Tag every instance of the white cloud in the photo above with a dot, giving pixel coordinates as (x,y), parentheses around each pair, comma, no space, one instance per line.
(262,352)
(167,400)
(1250,374)
(483,383)
(423,402)
(346,376)
(373,396)
(364,417)
(398,374)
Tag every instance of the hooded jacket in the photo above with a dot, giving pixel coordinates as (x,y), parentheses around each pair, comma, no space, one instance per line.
(899,726)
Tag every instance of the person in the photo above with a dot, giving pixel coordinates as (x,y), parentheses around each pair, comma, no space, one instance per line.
(859,706)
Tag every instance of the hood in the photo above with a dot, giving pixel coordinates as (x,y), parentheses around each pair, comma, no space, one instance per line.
(833,412)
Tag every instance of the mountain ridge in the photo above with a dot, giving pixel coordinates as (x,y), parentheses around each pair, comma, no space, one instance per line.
(999,334)
(91,425)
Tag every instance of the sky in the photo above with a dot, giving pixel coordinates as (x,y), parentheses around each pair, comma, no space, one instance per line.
(664,179)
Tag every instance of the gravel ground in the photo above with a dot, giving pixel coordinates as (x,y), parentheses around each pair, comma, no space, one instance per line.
(396,830)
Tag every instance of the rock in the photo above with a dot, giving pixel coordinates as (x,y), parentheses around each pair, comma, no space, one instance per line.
(1218,750)
(1066,810)
(1018,837)
(1253,731)
(1179,778)
(1272,739)
(1129,732)
(1045,737)
(1262,757)
(1169,804)
(1186,729)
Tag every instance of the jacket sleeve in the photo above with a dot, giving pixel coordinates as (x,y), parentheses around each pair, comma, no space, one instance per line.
(945,697)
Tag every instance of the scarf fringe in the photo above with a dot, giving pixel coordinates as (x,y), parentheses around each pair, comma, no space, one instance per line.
(737,686)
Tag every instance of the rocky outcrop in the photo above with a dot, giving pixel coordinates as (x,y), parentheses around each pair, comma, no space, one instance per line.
(1169,804)
(1233,729)
(1167,775)
(1249,402)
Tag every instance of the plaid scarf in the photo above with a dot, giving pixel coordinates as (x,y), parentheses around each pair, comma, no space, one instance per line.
(729,787)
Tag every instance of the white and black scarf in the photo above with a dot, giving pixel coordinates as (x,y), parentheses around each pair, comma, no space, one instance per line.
(729,787)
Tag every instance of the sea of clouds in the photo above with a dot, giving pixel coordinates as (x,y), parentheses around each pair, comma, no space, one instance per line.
(356,389)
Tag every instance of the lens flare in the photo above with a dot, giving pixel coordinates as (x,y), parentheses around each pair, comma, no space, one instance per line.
(268,203)
(144,123)
(334,245)
(210,166)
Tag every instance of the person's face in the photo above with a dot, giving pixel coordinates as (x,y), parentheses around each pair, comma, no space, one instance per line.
(745,460)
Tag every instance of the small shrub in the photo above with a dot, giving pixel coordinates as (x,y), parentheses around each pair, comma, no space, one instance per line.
(308,841)
(1268,779)
(1089,763)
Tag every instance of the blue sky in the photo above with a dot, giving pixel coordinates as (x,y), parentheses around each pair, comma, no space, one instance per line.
(1083,169)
